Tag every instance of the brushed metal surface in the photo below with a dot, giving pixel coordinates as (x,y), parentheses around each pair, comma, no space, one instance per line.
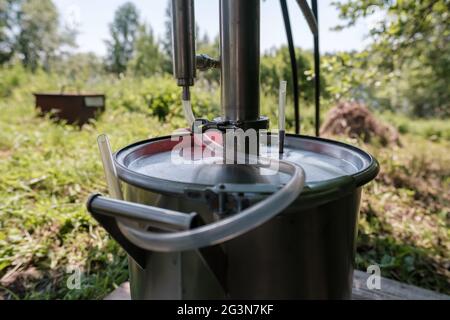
(183,41)
(240,57)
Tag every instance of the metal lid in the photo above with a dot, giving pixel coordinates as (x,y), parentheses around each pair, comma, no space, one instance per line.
(149,165)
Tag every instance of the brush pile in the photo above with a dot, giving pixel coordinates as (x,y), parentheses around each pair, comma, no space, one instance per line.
(355,120)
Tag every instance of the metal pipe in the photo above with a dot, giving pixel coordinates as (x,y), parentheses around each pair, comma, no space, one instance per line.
(183,41)
(317,79)
(309,16)
(158,218)
(240,57)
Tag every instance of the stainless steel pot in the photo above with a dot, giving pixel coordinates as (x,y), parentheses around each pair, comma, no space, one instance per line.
(253,236)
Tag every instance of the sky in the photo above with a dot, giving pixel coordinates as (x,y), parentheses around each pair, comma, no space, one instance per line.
(93,16)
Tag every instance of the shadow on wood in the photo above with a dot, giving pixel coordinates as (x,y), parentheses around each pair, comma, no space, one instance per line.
(390,290)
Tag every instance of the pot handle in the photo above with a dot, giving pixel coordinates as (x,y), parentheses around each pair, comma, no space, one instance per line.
(157,218)
(210,234)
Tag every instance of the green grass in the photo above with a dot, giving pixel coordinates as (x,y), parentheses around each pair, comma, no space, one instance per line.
(48,170)
(432,129)
(404,224)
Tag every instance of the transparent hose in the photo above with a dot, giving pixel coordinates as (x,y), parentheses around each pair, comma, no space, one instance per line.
(188,114)
(112,180)
(282,116)
(282,106)
(223,230)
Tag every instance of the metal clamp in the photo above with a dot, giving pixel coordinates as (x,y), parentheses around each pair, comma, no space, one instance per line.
(205,62)
(203,125)
(226,199)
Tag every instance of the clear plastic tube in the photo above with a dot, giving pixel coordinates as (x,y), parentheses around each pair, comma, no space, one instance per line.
(222,230)
(282,106)
(112,179)
(282,116)
(188,114)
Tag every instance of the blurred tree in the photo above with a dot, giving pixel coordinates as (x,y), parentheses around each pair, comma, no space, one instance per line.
(410,50)
(29,31)
(351,76)
(166,41)
(9,11)
(78,71)
(123,32)
(38,37)
(167,38)
(275,67)
(147,58)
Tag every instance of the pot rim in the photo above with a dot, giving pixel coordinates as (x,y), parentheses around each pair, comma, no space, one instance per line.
(368,172)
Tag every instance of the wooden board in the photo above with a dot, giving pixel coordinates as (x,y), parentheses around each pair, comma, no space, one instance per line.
(390,290)
(121,293)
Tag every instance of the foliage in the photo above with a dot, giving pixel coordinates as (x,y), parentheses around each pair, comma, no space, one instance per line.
(44,227)
(78,70)
(430,129)
(349,74)
(405,212)
(30,32)
(8,18)
(160,97)
(123,32)
(410,53)
(38,38)
(12,77)
(275,67)
(166,41)
(147,59)
(405,70)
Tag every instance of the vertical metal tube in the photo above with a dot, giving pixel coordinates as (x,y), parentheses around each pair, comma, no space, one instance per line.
(183,41)
(317,66)
(240,58)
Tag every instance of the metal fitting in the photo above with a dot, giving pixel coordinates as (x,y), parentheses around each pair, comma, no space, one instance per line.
(205,62)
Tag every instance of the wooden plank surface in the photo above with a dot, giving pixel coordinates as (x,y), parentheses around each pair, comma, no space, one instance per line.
(121,293)
(390,290)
